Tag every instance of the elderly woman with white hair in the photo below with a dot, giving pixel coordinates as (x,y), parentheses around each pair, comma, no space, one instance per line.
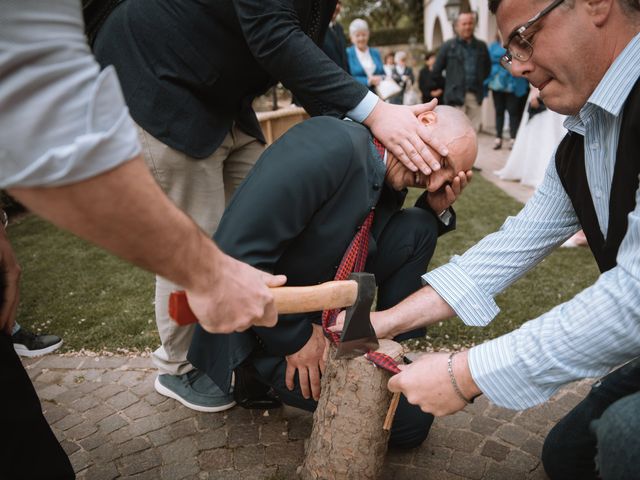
(365,64)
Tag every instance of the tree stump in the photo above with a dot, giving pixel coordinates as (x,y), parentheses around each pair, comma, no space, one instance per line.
(347,440)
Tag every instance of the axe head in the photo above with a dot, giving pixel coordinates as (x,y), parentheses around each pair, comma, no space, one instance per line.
(358,335)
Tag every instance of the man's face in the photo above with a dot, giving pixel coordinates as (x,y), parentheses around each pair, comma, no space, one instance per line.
(567,61)
(465,25)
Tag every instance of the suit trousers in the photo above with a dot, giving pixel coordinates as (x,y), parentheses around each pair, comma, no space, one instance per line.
(30,450)
(472,109)
(405,247)
(600,437)
(200,188)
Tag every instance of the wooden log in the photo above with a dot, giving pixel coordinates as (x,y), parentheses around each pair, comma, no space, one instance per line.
(348,441)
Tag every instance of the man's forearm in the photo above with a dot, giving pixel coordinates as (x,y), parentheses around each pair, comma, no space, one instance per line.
(120,211)
(424,307)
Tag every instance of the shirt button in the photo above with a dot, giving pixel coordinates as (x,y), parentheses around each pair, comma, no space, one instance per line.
(595,146)
(376,186)
(597,192)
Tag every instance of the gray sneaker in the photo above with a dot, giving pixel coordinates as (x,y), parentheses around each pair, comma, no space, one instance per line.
(195,390)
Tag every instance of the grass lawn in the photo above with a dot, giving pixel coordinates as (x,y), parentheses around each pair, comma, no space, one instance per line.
(99,303)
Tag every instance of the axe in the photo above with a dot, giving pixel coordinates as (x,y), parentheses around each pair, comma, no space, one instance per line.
(358,336)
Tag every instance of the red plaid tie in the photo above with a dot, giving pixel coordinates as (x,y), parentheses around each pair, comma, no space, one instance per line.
(354,261)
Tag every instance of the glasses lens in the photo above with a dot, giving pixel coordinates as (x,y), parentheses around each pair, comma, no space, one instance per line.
(520,48)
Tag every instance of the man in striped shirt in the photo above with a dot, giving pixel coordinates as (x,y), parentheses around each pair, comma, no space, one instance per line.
(584,56)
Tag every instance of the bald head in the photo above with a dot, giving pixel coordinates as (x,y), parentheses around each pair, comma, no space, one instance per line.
(452,127)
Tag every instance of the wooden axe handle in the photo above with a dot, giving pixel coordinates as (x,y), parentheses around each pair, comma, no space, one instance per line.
(334,294)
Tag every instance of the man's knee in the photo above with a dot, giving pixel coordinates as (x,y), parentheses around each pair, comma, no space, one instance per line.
(424,227)
(617,432)
(410,426)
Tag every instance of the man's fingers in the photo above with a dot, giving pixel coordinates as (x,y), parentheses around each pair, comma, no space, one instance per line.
(436,144)
(314,379)
(303,379)
(289,376)
(325,356)
(400,154)
(394,383)
(411,157)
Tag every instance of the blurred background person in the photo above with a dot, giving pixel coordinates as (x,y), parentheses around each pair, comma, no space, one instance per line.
(540,132)
(389,63)
(335,41)
(508,92)
(402,74)
(365,64)
(426,81)
(465,62)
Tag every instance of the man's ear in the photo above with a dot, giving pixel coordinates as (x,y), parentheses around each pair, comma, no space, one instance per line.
(599,10)
(428,118)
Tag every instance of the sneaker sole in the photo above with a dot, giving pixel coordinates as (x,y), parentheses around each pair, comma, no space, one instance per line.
(25,352)
(162,390)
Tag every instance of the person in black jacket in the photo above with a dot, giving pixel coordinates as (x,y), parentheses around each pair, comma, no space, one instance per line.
(428,88)
(297,212)
(335,41)
(190,71)
(466,62)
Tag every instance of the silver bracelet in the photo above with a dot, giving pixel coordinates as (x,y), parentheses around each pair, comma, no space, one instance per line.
(453,380)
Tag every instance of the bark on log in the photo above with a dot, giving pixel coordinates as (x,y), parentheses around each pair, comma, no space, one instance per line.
(347,441)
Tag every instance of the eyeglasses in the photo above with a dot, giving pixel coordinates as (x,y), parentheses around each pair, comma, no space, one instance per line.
(518,46)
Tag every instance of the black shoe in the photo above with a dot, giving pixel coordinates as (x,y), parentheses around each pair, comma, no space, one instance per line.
(497,144)
(251,393)
(29,344)
(476,169)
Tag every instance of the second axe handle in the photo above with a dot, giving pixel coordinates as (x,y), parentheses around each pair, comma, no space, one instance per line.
(328,295)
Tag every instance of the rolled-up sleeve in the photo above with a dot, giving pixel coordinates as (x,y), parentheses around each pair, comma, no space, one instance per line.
(62,120)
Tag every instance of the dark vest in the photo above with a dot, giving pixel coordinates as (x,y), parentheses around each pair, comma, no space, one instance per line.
(572,173)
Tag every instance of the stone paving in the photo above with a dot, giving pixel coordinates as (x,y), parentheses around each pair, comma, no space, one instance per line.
(112,423)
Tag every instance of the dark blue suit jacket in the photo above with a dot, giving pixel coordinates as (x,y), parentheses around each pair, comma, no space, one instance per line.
(190,68)
(296,213)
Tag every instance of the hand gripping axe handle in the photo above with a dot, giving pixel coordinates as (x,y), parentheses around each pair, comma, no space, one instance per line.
(356,293)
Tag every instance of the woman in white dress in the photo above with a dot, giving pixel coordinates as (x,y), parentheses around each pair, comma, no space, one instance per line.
(540,132)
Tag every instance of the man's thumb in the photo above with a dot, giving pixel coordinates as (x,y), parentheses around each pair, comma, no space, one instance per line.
(424,107)
(274,280)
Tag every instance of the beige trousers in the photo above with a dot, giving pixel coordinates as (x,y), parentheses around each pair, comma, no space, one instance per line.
(472,109)
(201,188)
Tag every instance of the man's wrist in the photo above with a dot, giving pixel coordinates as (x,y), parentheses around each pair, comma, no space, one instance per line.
(462,374)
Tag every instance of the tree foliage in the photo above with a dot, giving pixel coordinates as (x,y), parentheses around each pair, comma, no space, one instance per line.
(384,14)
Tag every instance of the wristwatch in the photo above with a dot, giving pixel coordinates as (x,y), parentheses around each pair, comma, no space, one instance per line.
(445,216)
(4,218)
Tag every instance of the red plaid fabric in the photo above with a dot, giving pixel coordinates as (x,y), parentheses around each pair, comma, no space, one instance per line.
(383,360)
(354,261)
(379,147)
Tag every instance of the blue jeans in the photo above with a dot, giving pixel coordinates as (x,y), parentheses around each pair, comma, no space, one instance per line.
(601,435)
